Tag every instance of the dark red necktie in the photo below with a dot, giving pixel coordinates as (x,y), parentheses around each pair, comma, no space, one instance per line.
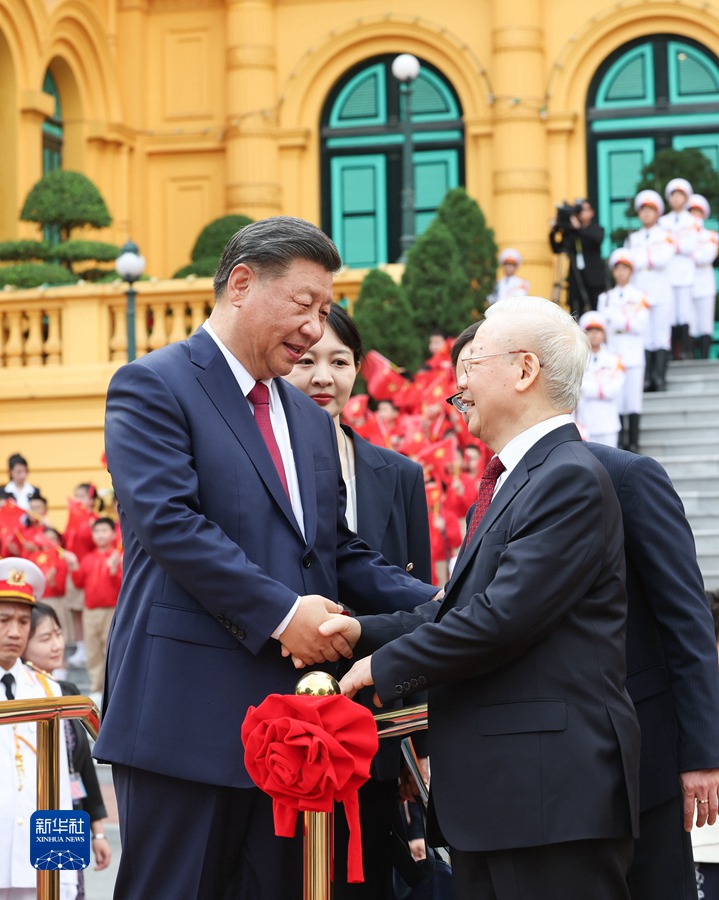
(494,469)
(260,397)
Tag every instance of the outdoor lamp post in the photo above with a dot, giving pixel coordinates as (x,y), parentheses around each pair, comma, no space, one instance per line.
(130,265)
(405,69)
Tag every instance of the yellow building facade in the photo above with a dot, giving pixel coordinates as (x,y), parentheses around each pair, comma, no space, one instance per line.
(181,111)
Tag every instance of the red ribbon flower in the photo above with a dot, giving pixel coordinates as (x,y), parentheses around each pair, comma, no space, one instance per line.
(306,752)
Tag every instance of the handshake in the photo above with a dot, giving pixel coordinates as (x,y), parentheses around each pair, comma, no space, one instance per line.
(320,632)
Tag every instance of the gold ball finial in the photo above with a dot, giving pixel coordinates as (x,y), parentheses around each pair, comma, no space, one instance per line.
(318,684)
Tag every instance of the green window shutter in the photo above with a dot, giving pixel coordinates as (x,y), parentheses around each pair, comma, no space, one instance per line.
(362,101)
(693,77)
(619,164)
(629,81)
(435,172)
(359,209)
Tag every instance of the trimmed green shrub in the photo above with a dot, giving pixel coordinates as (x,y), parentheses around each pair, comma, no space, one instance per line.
(212,239)
(22,250)
(65,200)
(30,275)
(203,268)
(384,318)
(77,251)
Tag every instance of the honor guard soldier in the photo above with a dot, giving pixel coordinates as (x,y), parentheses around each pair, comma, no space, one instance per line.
(510,285)
(680,224)
(597,411)
(21,584)
(626,311)
(653,248)
(704,286)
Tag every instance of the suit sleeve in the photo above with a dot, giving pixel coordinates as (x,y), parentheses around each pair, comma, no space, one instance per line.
(150,458)
(539,577)
(660,548)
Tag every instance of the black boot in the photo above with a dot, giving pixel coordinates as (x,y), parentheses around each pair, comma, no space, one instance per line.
(624,432)
(661,362)
(705,343)
(633,444)
(686,342)
(676,342)
(649,356)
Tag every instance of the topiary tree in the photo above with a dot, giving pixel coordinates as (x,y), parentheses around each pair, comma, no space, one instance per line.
(30,275)
(436,283)
(65,200)
(475,242)
(384,318)
(210,243)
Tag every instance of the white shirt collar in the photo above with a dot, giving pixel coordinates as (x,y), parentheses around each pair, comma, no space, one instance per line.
(242,376)
(518,447)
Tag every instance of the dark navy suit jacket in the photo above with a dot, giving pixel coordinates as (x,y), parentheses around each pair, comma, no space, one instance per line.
(533,737)
(672,673)
(214,559)
(392,506)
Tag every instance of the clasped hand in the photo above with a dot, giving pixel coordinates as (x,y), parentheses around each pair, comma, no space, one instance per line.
(303,639)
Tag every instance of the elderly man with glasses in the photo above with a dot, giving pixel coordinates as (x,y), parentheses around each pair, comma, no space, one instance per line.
(534,740)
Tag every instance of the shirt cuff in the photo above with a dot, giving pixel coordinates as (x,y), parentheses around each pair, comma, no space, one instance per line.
(286,621)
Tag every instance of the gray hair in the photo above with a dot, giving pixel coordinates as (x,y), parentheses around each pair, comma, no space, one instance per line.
(549,331)
(270,246)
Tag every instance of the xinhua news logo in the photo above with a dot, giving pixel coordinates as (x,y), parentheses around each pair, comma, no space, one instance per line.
(60,839)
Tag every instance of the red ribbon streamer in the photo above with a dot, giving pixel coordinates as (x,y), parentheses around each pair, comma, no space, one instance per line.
(308,752)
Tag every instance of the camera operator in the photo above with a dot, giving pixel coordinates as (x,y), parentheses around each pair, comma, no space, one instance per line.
(574,233)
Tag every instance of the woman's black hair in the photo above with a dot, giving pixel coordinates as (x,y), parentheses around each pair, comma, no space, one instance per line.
(343,325)
(39,612)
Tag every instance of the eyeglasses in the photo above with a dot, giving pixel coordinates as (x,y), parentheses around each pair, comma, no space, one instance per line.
(470,360)
(456,401)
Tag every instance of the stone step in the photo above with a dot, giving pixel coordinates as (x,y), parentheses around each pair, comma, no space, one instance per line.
(659,442)
(702,466)
(707,543)
(708,368)
(701,503)
(711,579)
(675,408)
(703,521)
(681,382)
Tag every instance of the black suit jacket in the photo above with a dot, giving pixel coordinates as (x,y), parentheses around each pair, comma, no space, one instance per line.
(672,673)
(533,737)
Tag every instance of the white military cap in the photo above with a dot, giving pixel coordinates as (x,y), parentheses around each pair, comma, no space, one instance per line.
(621,255)
(697,201)
(21,581)
(510,255)
(649,198)
(592,319)
(678,184)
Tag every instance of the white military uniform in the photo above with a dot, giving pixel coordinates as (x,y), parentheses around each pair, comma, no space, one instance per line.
(512,286)
(681,226)
(18,792)
(626,312)
(597,411)
(652,250)
(704,286)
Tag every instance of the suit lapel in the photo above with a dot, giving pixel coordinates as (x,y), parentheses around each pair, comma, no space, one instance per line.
(302,453)
(514,482)
(374,501)
(224,392)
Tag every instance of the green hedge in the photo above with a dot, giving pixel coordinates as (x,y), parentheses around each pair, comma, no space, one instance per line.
(23,250)
(30,275)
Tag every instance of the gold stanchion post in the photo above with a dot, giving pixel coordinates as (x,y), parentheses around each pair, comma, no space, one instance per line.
(318,830)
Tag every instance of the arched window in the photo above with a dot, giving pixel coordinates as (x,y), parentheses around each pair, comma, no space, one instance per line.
(52,129)
(362,138)
(52,146)
(649,95)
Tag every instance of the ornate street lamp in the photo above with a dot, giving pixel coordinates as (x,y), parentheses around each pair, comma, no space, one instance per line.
(405,69)
(130,265)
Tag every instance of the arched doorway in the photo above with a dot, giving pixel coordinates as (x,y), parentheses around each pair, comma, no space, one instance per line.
(362,138)
(650,94)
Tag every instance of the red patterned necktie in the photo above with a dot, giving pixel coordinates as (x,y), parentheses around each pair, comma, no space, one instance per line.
(260,397)
(494,469)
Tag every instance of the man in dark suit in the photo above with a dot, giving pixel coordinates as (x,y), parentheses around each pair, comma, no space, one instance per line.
(672,676)
(580,238)
(235,547)
(534,741)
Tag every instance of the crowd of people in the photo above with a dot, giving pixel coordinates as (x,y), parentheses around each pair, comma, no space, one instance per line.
(82,565)
(541,592)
